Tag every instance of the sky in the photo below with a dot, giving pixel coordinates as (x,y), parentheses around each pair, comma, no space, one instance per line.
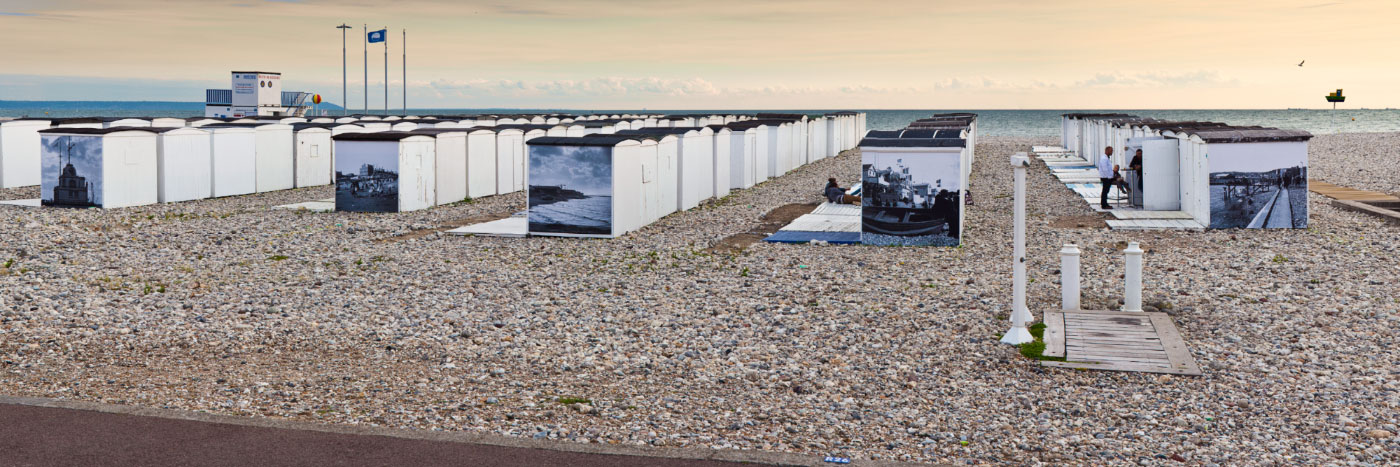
(719,54)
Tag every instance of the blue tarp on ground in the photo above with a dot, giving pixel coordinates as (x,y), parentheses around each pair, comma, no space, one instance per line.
(800,236)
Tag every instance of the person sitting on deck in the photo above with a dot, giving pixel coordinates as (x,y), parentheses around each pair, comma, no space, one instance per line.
(834,193)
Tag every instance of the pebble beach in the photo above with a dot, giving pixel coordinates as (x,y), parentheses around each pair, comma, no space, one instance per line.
(670,337)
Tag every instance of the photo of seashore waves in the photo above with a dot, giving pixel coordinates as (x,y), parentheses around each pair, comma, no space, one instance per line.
(571,190)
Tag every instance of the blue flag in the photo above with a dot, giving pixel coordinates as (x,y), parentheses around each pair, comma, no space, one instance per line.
(377,36)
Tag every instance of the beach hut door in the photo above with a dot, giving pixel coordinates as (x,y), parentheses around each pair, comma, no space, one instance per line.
(1161,173)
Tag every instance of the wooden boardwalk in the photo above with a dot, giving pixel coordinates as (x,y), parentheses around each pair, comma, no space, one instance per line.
(1350,194)
(1117,341)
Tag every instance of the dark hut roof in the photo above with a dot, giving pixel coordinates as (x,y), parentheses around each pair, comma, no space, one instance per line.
(913,142)
(380,136)
(97,131)
(590,140)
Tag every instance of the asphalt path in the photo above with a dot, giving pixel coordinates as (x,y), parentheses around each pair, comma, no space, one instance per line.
(47,436)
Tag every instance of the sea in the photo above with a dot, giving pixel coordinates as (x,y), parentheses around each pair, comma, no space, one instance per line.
(1027,123)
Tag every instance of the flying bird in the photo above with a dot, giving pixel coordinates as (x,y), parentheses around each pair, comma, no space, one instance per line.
(1301,63)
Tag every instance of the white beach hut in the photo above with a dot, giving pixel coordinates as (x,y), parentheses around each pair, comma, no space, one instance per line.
(450,154)
(743,169)
(722,147)
(79,123)
(510,160)
(202,121)
(312,159)
(912,190)
(586,187)
(694,181)
(98,167)
(385,172)
(275,152)
(168,122)
(127,122)
(481,162)
(371,126)
(184,166)
(404,126)
(233,160)
(20,152)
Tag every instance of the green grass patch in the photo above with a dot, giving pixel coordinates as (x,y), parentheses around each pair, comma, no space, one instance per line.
(1035,350)
(278,257)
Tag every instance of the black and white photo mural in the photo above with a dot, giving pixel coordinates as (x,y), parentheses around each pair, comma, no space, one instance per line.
(911,199)
(571,190)
(367,176)
(1258,185)
(72,171)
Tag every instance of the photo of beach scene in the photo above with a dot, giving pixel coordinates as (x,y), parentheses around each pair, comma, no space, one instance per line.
(72,171)
(910,199)
(367,177)
(1259,187)
(570,190)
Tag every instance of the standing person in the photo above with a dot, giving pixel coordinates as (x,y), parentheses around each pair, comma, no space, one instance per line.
(1106,176)
(1136,166)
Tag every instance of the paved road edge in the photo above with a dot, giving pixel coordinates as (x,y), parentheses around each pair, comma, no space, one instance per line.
(747,456)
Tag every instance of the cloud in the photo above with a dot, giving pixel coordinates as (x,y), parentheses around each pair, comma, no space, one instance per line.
(11,13)
(1157,80)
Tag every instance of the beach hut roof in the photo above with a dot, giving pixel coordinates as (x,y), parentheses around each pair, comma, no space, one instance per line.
(913,143)
(1250,135)
(97,131)
(324,126)
(590,140)
(69,121)
(527,126)
(380,136)
(438,131)
(245,125)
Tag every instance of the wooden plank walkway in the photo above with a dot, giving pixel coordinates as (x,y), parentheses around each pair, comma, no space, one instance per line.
(1117,341)
(1351,194)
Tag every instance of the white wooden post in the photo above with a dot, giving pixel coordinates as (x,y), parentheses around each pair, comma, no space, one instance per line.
(1020,315)
(1132,278)
(1069,277)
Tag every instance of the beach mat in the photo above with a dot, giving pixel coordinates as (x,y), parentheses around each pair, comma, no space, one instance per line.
(799,236)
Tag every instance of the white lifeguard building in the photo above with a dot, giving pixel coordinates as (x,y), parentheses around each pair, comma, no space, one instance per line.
(255,93)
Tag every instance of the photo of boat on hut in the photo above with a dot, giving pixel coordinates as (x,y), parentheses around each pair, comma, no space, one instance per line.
(910,200)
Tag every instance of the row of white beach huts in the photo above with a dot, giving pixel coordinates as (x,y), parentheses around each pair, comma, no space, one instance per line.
(117,162)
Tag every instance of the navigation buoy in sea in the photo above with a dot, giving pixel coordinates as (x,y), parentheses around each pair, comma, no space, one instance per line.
(1336,97)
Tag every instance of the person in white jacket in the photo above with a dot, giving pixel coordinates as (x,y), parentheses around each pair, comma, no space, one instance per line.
(1106,175)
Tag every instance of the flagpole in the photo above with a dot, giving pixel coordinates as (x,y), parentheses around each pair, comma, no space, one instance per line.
(344,77)
(386,70)
(405,72)
(366,39)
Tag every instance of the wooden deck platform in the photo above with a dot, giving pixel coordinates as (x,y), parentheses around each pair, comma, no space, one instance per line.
(1117,341)
(1350,194)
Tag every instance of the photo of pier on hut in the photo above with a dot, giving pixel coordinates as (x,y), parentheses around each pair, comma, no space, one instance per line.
(367,178)
(571,190)
(72,171)
(1259,191)
(910,200)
